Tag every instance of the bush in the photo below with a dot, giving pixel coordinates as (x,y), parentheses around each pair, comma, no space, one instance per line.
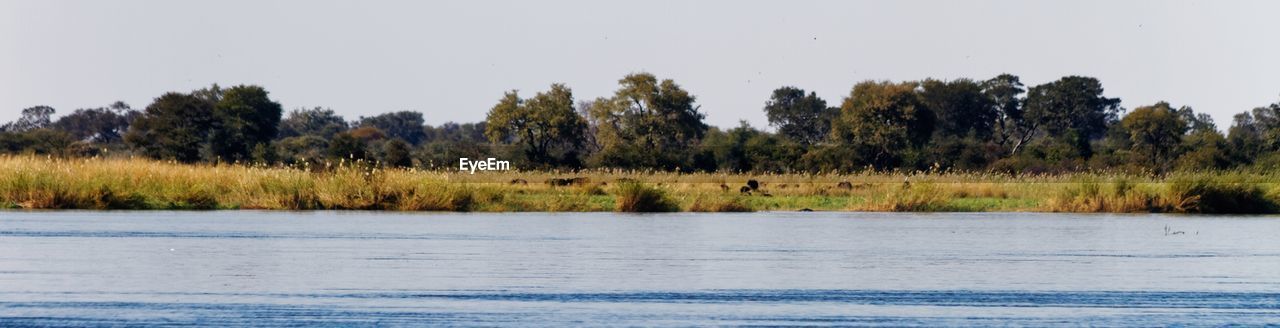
(636,197)
(1201,195)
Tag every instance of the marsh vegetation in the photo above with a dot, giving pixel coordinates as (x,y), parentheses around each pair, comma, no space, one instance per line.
(36,182)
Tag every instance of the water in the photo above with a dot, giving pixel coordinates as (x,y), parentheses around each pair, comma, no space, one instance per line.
(245,268)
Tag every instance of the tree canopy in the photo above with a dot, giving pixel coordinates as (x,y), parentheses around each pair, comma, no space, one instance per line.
(997,124)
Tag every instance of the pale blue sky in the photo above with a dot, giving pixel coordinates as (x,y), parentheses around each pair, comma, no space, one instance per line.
(453,60)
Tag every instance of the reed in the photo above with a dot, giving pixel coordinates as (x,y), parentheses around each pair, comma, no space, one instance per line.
(34,182)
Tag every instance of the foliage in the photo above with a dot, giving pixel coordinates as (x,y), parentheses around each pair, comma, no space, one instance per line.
(879,120)
(405,125)
(318,121)
(244,117)
(1156,133)
(1072,110)
(637,197)
(545,126)
(646,124)
(346,146)
(396,153)
(32,118)
(930,125)
(104,125)
(174,126)
(801,118)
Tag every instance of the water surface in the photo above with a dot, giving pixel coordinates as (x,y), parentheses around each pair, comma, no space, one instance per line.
(247,268)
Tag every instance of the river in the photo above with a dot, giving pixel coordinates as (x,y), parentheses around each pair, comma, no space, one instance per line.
(252,268)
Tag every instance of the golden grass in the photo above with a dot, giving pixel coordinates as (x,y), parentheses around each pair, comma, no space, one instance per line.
(94,183)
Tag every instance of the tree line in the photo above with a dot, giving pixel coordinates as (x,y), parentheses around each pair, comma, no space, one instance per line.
(998,124)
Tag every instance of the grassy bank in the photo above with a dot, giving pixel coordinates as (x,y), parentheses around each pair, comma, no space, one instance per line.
(51,183)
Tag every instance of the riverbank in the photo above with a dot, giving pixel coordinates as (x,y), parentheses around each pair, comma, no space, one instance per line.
(32,182)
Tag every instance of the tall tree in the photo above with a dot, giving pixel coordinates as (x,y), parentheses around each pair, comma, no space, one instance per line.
(960,107)
(406,125)
(37,117)
(647,124)
(880,121)
(1255,133)
(1005,95)
(546,126)
(1156,133)
(318,121)
(348,147)
(802,118)
(1073,110)
(244,117)
(173,127)
(101,125)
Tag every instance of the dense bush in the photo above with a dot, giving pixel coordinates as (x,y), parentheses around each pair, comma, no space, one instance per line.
(637,197)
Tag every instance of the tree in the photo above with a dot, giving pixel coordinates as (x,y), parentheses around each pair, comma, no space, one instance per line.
(302,149)
(44,141)
(545,126)
(173,127)
(1205,149)
(37,117)
(104,125)
(318,121)
(446,143)
(405,125)
(346,146)
(244,117)
(1156,133)
(1255,133)
(805,119)
(647,124)
(879,121)
(396,153)
(1073,110)
(1011,129)
(1245,139)
(961,108)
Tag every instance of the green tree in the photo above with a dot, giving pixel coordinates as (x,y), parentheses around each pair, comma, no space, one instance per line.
(446,143)
(880,121)
(802,118)
(244,117)
(747,149)
(960,107)
(1255,134)
(546,126)
(345,146)
(302,149)
(43,141)
(1011,129)
(104,125)
(406,125)
(32,118)
(647,124)
(318,121)
(1205,149)
(173,127)
(396,153)
(1072,110)
(1155,133)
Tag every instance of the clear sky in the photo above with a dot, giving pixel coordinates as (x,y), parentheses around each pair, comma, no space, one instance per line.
(453,60)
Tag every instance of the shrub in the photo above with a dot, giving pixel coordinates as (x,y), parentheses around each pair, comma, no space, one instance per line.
(1201,195)
(636,197)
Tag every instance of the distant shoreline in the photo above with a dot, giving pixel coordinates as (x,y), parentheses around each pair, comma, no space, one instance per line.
(30,182)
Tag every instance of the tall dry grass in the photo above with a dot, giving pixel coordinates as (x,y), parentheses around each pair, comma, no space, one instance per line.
(92,183)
